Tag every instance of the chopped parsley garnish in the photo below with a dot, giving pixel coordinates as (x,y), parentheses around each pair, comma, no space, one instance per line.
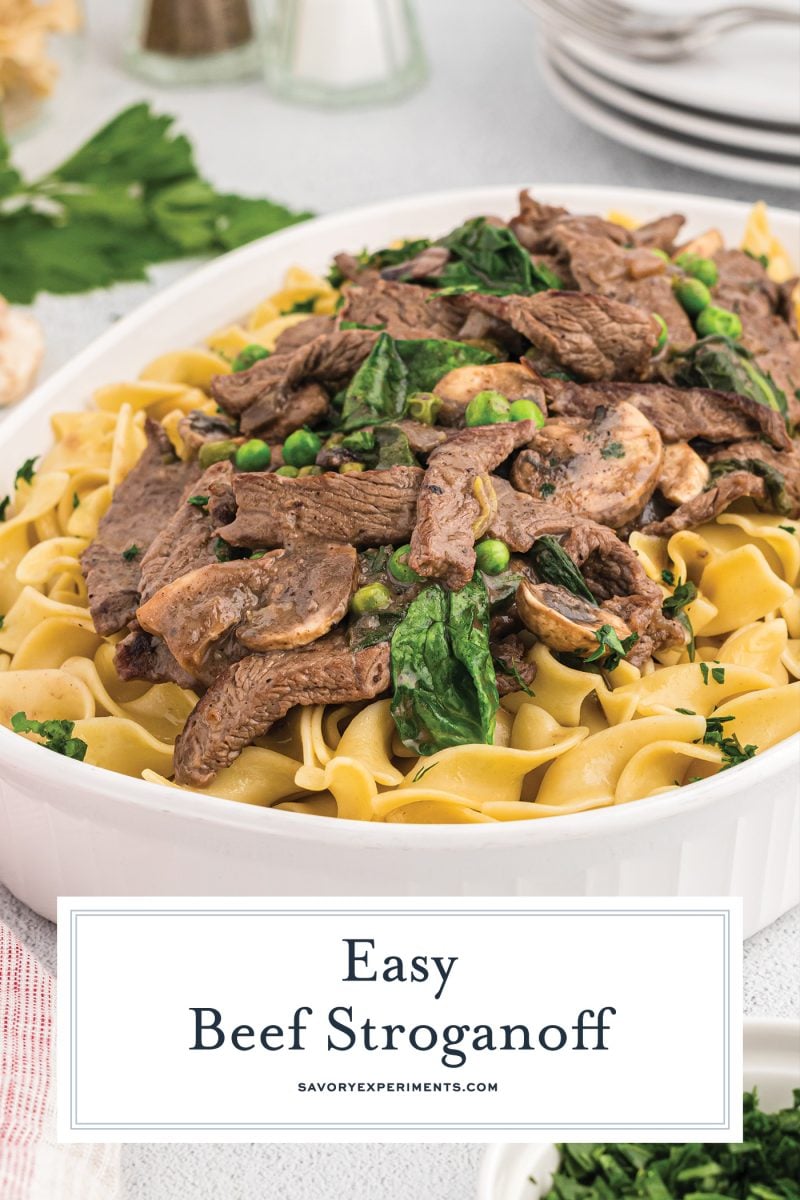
(2,622)
(610,648)
(131,553)
(75,499)
(26,471)
(788,528)
(704,671)
(674,606)
(687,712)
(423,771)
(668,578)
(547,489)
(198,501)
(613,450)
(733,752)
(718,674)
(4,503)
(55,735)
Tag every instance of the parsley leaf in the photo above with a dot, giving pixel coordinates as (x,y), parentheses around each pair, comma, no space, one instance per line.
(547,489)
(55,735)
(131,553)
(198,501)
(668,577)
(718,674)
(613,450)
(4,503)
(75,499)
(674,606)
(610,648)
(704,671)
(787,528)
(733,752)
(27,471)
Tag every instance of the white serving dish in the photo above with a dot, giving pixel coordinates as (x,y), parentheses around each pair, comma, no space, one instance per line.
(71,829)
(771,1064)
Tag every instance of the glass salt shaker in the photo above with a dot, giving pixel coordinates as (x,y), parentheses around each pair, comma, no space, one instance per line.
(194,41)
(341,52)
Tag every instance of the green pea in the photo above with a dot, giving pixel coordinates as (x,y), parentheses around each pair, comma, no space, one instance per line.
(351,468)
(301,448)
(718,320)
(251,354)
(493,556)
(373,598)
(662,254)
(526,410)
(704,269)
(305,471)
(214,452)
(254,455)
(487,408)
(288,472)
(692,295)
(424,407)
(399,568)
(663,333)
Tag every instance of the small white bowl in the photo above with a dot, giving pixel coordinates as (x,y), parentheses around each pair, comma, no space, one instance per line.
(71,829)
(771,1064)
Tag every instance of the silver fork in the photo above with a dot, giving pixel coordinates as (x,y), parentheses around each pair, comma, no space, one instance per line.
(642,35)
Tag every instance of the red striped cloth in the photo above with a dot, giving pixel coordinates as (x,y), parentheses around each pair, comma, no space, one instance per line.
(32,1166)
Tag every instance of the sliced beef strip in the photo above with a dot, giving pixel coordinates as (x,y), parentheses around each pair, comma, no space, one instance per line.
(660,234)
(783,366)
(151,489)
(679,414)
(634,277)
(142,656)
(269,385)
(745,288)
(786,462)
(403,309)
(510,665)
(428,264)
(592,336)
(307,405)
(368,508)
(535,222)
(299,335)
(186,540)
(456,499)
(609,565)
(605,468)
(218,613)
(711,503)
(250,696)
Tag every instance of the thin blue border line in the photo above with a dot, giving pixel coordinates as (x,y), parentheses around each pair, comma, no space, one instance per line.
(75,1124)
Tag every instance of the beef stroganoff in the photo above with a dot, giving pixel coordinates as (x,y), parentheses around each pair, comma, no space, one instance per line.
(500,526)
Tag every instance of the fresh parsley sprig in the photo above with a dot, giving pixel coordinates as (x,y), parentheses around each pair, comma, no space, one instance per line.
(610,647)
(56,735)
(129,198)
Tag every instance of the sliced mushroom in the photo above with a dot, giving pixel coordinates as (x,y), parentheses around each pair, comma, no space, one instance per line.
(214,615)
(605,468)
(515,381)
(684,474)
(705,244)
(562,620)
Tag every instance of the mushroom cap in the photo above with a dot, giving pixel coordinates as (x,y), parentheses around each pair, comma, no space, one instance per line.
(562,620)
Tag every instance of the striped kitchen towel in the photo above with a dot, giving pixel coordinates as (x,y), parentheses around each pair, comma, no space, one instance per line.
(32,1166)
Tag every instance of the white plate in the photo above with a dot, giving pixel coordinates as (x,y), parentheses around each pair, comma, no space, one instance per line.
(680,120)
(751,75)
(71,829)
(663,143)
(771,1064)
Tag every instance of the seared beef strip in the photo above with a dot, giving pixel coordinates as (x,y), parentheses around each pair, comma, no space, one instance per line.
(142,656)
(594,337)
(218,613)
(369,508)
(267,394)
(511,668)
(515,381)
(112,564)
(250,696)
(634,277)
(679,414)
(605,468)
(535,222)
(660,234)
(786,462)
(456,500)
(782,364)
(187,540)
(427,264)
(299,335)
(402,309)
(710,504)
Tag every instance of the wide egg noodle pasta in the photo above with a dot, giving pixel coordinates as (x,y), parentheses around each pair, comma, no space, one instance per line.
(585,738)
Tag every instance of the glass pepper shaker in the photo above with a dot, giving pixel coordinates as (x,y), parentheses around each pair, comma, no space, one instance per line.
(193,41)
(341,52)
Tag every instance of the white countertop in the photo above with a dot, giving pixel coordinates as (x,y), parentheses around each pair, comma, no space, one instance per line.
(484,117)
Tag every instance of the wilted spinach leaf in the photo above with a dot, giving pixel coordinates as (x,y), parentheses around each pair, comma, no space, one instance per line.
(719,362)
(489,258)
(428,360)
(445,690)
(554,565)
(377,392)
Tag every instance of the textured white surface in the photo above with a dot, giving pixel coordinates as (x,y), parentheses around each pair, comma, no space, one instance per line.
(484,117)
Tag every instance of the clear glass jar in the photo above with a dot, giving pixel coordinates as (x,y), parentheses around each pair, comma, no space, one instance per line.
(341,52)
(194,41)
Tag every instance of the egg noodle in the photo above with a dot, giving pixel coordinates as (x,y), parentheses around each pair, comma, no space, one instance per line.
(582,740)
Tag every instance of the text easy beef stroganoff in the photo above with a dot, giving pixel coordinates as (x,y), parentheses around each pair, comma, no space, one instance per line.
(494,527)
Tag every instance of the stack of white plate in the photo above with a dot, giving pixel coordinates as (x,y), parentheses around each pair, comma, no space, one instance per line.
(732,110)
